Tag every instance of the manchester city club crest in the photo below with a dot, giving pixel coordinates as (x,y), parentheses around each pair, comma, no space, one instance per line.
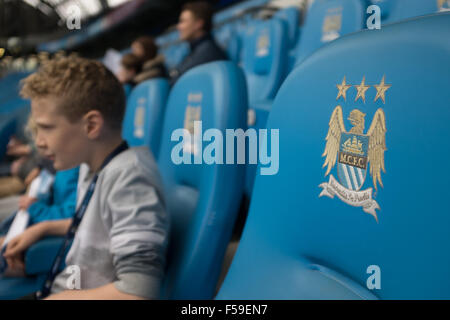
(353,153)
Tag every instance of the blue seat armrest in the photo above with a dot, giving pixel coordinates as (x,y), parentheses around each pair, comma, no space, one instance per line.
(40,256)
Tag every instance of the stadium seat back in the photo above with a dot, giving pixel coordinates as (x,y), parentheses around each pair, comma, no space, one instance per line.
(358,209)
(265,62)
(237,10)
(328,20)
(290,16)
(167,38)
(127,88)
(8,127)
(228,38)
(234,48)
(144,114)
(384,5)
(223,34)
(202,198)
(264,59)
(13,119)
(397,10)
(175,53)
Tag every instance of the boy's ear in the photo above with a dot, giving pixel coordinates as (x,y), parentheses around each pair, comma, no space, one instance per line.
(93,124)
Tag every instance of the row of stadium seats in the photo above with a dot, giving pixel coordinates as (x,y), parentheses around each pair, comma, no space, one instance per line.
(259,46)
(297,243)
(330,18)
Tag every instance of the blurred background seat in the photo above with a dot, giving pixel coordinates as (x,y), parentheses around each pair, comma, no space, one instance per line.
(144,115)
(203,199)
(265,60)
(327,20)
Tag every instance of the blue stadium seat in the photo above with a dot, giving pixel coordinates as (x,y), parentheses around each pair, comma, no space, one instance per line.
(145,114)
(15,288)
(163,40)
(237,10)
(291,16)
(235,45)
(384,5)
(234,48)
(9,86)
(228,38)
(174,54)
(265,61)
(127,88)
(203,199)
(223,34)
(13,118)
(265,49)
(326,230)
(167,38)
(328,20)
(38,261)
(8,127)
(397,10)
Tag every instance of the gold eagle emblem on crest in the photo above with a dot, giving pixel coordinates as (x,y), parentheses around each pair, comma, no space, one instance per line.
(352,151)
(376,144)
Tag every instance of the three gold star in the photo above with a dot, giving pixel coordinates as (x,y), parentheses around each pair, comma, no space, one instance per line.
(381,90)
(343,87)
(362,88)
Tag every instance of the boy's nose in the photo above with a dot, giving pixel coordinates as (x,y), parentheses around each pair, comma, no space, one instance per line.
(40,143)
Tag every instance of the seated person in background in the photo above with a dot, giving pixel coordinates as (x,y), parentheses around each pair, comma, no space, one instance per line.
(195,26)
(152,64)
(57,203)
(130,66)
(120,244)
(21,171)
(144,48)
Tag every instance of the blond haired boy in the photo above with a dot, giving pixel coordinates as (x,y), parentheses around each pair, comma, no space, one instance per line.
(120,244)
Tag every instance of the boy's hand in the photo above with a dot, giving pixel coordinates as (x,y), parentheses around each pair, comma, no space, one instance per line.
(17,245)
(25,202)
(15,265)
(14,253)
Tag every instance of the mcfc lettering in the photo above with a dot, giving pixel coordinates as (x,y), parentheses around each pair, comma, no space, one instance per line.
(353,160)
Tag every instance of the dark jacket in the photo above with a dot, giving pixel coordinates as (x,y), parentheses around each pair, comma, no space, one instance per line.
(203,50)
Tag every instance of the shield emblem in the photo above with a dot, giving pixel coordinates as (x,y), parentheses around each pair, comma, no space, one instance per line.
(352,160)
